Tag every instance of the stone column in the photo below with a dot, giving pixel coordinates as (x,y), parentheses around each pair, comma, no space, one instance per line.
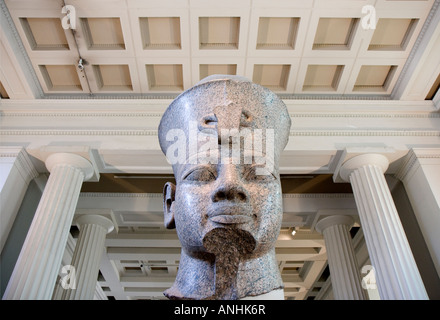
(37,267)
(344,269)
(87,256)
(394,265)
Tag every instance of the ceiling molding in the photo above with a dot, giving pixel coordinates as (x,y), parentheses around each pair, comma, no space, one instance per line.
(431,23)
(158,106)
(120,195)
(141,114)
(21,161)
(14,40)
(152,96)
(160,195)
(293,133)
(411,159)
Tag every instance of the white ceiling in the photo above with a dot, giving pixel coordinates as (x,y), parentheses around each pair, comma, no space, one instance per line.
(140,48)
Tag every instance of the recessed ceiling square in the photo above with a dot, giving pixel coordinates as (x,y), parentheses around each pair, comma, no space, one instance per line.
(165,77)
(392,34)
(322,77)
(335,33)
(3,92)
(103,33)
(113,77)
(272,76)
(374,78)
(277,33)
(45,33)
(210,69)
(61,77)
(219,32)
(161,33)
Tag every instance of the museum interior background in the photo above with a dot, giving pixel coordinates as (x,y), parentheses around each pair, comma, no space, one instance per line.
(360,80)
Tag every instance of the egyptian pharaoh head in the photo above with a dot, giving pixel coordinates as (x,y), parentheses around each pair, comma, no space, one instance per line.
(224,137)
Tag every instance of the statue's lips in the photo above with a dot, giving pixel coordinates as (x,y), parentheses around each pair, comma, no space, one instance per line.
(237,219)
(230,214)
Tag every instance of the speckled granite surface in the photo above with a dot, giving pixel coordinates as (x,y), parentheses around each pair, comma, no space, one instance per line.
(223,138)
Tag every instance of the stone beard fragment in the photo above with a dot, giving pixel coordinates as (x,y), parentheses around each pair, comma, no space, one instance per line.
(229,246)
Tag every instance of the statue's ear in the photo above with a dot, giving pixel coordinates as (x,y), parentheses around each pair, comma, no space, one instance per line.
(169,190)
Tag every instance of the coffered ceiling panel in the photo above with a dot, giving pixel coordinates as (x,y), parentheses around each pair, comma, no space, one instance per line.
(160,33)
(289,46)
(103,33)
(335,33)
(219,33)
(44,33)
(277,33)
(392,34)
(61,77)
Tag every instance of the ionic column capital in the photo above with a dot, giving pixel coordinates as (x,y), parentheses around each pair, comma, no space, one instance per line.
(334,220)
(95,219)
(64,158)
(359,161)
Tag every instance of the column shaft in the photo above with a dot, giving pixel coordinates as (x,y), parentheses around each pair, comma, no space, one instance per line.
(395,267)
(37,267)
(344,269)
(87,256)
(86,259)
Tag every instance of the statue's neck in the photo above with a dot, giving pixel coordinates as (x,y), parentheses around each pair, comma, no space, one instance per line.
(196,277)
(258,276)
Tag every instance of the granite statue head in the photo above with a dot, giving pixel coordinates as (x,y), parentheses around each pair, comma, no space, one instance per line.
(224,137)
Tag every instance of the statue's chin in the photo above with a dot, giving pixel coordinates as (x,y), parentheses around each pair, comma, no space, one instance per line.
(229,246)
(219,240)
(221,237)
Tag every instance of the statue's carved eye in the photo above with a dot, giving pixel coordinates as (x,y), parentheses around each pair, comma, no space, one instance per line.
(258,174)
(246,119)
(246,116)
(209,121)
(200,175)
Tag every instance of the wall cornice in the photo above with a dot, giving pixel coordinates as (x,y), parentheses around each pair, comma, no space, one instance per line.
(141,114)
(418,48)
(16,45)
(22,161)
(410,160)
(159,195)
(293,133)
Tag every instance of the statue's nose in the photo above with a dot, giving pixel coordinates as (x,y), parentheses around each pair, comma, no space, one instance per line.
(230,193)
(230,188)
